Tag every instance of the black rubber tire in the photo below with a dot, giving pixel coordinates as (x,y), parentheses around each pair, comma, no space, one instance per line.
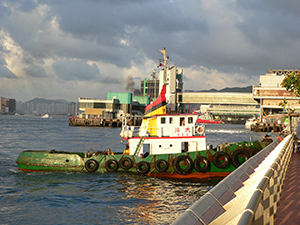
(91,165)
(161,165)
(143,167)
(178,160)
(126,163)
(203,160)
(254,151)
(111,165)
(221,160)
(235,157)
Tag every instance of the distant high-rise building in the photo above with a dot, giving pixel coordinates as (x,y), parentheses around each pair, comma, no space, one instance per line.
(10,105)
(1,105)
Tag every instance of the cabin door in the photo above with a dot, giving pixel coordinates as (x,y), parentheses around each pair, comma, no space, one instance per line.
(146,150)
(184,146)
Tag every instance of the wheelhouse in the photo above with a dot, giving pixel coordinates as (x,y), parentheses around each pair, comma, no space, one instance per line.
(165,134)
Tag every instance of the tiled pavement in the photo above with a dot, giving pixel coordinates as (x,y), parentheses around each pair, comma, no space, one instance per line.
(288,211)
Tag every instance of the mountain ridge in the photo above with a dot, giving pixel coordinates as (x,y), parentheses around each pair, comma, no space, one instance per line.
(247,89)
(47,101)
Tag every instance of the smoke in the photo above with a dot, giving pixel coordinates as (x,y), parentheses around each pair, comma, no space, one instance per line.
(130,84)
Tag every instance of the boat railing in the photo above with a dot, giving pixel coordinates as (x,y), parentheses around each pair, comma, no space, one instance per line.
(130,131)
(172,131)
(154,131)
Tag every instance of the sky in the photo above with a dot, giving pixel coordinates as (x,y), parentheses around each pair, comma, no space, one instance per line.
(67,49)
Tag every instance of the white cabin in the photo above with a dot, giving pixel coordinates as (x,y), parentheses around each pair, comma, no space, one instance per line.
(165,134)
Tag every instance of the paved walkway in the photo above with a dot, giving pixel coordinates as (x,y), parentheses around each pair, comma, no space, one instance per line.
(288,211)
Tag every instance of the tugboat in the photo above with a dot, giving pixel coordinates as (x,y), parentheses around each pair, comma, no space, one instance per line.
(165,145)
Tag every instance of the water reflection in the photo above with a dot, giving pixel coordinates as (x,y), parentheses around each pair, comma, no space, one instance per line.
(157,201)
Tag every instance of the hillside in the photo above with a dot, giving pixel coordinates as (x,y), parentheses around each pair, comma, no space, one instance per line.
(46,101)
(227,89)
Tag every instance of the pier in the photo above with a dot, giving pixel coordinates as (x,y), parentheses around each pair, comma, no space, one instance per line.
(266,127)
(263,190)
(100,122)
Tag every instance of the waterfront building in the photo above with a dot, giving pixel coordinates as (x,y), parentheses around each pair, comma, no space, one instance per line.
(115,105)
(231,107)
(269,94)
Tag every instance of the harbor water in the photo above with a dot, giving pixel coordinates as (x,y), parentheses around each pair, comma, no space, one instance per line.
(90,198)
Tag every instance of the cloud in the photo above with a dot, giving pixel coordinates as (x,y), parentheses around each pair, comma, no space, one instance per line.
(35,71)
(82,71)
(5,72)
(73,69)
(73,43)
(4,11)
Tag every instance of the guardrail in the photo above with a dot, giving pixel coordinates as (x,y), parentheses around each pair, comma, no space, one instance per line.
(249,195)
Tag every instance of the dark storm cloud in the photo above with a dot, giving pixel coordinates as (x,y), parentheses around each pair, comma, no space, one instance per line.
(230,37)
(35,71)
(4,71)
(27,5)
(78,70)
(272,27)
(142,25)
(4,11)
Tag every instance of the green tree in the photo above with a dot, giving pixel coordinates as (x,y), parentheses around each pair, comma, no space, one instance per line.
(291,83)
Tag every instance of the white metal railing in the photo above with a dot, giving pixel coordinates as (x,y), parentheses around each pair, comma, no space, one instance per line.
(263,205)
(249,195)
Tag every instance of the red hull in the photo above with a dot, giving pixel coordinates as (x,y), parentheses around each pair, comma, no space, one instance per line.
(193,176)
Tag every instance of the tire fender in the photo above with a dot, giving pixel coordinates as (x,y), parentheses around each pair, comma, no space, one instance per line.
(221,160)
(203,160)
(91,165)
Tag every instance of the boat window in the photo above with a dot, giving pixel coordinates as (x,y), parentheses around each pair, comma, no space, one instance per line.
(182,121)
(190,119)
(163,120)
(170,120)
(184,146)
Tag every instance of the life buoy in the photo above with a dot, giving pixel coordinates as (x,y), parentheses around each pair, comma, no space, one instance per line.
(221,160)
(188,164)
(238,154)
(143,167)
(126,163)
(111,165)
(202,160)
(161,165)
(91,165)
(200,130)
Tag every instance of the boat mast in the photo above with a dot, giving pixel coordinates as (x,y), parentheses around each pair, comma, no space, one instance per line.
(164,52)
